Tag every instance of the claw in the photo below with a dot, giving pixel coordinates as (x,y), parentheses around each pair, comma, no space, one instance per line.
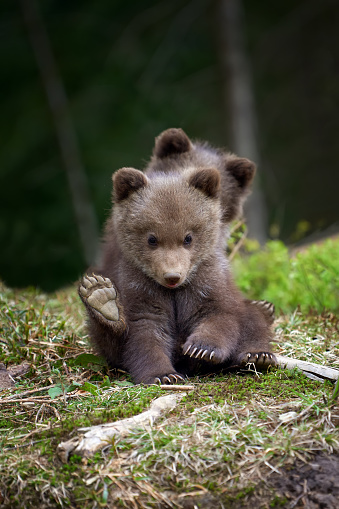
(180,377)
(100,279)
(167,379)
(249,356)
(173,376)
(189,347)
(256,356)
(157,380)
(212,355)
(197,355)
(203,355)
(193,351)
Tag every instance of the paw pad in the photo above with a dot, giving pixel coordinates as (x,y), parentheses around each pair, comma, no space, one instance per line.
(100,294)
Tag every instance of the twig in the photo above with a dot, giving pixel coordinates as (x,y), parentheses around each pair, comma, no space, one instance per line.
(37,399)
(48,343)
(237,247)
(34,390)
(24,445)
(177,387)
(236,226)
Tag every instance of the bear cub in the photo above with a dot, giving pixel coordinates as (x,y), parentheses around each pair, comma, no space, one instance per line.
(163,304)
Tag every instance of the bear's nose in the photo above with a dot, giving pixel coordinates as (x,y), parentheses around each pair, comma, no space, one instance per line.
(172,278)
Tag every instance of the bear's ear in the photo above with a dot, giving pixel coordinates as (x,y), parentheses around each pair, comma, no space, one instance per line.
(206,180)
(171,142)
(127,181)
(242,170)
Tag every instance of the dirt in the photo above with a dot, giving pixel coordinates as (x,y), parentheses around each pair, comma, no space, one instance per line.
(313,485)
(7,375)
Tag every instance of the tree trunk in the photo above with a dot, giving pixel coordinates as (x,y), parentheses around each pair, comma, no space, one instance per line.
(239,99)
(58,103)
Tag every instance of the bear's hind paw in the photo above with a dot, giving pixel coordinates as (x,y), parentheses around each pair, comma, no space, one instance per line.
(98,293)
(261,360)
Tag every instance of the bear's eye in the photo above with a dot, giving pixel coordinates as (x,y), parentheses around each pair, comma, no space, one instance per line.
(188,240)
(152,241)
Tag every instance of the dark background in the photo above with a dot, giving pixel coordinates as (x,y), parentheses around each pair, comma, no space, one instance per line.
(128,70)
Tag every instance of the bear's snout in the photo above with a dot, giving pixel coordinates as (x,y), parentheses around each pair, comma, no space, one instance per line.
(169,267)
(172,278)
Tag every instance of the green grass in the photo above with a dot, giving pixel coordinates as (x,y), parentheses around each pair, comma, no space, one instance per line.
(308,280)
(223,437)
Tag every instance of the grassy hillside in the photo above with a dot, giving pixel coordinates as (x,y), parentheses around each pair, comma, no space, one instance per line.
(235,440)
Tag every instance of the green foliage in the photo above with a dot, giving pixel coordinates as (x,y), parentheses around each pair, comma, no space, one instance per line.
(88,359)
(310,279)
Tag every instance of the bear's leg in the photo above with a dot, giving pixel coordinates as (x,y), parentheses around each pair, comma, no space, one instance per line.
(107,323)
(148,350)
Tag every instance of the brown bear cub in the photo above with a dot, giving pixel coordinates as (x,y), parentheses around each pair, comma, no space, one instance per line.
(163,304)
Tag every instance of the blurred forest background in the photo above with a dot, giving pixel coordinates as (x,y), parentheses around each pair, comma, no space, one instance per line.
(86,86)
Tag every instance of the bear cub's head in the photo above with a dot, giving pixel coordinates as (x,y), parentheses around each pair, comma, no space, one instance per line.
(173,149)
(167,225)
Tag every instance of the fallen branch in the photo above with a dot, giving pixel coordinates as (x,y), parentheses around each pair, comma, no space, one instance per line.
(97,437)
(310,369)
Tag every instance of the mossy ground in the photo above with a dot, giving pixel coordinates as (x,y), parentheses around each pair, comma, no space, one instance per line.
(227,435)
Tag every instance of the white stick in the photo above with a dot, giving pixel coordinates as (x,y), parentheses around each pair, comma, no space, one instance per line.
(315,371)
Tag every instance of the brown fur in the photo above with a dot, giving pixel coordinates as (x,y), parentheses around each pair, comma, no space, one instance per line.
(163,251)
(174,151)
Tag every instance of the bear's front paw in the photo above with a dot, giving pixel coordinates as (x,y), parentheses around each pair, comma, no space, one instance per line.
(261,360)
(168,379)
(99,294)
(203,352)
